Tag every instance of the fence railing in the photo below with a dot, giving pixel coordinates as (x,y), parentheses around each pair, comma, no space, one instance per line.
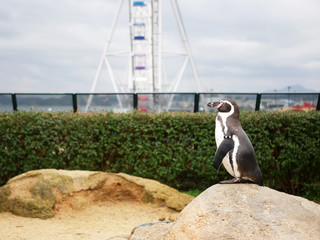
(153,102)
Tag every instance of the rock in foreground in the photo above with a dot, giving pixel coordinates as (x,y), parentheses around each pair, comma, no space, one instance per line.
(241,211)
(246,211)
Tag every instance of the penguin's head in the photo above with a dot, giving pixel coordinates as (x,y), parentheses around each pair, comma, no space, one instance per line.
(225,106)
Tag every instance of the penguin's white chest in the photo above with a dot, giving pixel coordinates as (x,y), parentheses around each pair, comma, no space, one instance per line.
(220,132)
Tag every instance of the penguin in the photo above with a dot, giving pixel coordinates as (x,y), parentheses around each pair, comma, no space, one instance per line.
(234,148)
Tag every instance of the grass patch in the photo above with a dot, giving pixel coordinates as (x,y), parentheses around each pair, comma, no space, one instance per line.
(193,192)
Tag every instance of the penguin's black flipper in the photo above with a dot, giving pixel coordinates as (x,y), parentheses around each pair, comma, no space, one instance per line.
(225,147)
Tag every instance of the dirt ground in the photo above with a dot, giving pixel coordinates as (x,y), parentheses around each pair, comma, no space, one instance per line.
(94,222)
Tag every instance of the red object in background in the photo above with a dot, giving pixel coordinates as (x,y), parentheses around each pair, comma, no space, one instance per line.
(306,107)
(143,103)
(143,98)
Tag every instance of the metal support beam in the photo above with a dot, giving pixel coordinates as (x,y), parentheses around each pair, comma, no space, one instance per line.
(14,102)
(74,102)
(105,51)
(196,102)
(258,101)
(113,80)
(183,34)
(177,81)
(135,101)
(318,104)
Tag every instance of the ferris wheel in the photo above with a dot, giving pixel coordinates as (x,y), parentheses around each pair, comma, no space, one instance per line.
(146,53)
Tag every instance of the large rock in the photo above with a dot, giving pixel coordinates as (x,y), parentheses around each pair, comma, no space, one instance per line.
(41,193)
(173,198)
(246,211)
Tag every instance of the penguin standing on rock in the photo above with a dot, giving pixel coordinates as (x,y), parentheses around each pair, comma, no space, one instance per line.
(234,148)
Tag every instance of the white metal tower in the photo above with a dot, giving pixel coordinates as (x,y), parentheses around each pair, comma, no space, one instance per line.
(145,54)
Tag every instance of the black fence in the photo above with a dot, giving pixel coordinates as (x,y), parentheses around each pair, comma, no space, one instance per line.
(153,102)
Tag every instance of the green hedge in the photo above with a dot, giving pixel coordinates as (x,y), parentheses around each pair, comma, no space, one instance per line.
(174,148)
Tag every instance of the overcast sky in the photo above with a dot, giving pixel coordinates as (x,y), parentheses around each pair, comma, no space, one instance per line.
(237,45)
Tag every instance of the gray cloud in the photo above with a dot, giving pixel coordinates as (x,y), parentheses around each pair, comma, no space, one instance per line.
(243,45)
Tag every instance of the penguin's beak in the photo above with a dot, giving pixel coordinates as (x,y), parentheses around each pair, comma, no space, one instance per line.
(214,104)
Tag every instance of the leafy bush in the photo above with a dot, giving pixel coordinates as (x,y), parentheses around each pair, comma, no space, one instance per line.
(174,148)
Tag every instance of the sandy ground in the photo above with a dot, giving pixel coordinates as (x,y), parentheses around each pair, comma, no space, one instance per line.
(98,222)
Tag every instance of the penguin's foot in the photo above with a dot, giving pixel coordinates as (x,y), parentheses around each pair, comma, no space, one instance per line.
(234,180)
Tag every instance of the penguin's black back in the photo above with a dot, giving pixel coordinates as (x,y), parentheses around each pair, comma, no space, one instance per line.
(246,159)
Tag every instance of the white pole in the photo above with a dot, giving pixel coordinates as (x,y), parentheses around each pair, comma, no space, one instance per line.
(130,84)
(111,74)
(177,81)
(179,76)
(106,48)
(160,46)
(177,14)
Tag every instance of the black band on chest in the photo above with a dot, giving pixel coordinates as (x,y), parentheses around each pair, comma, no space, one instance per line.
(227,137)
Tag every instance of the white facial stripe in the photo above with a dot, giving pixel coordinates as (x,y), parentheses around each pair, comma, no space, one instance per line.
(232,109)
(218,133)
(225,115)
